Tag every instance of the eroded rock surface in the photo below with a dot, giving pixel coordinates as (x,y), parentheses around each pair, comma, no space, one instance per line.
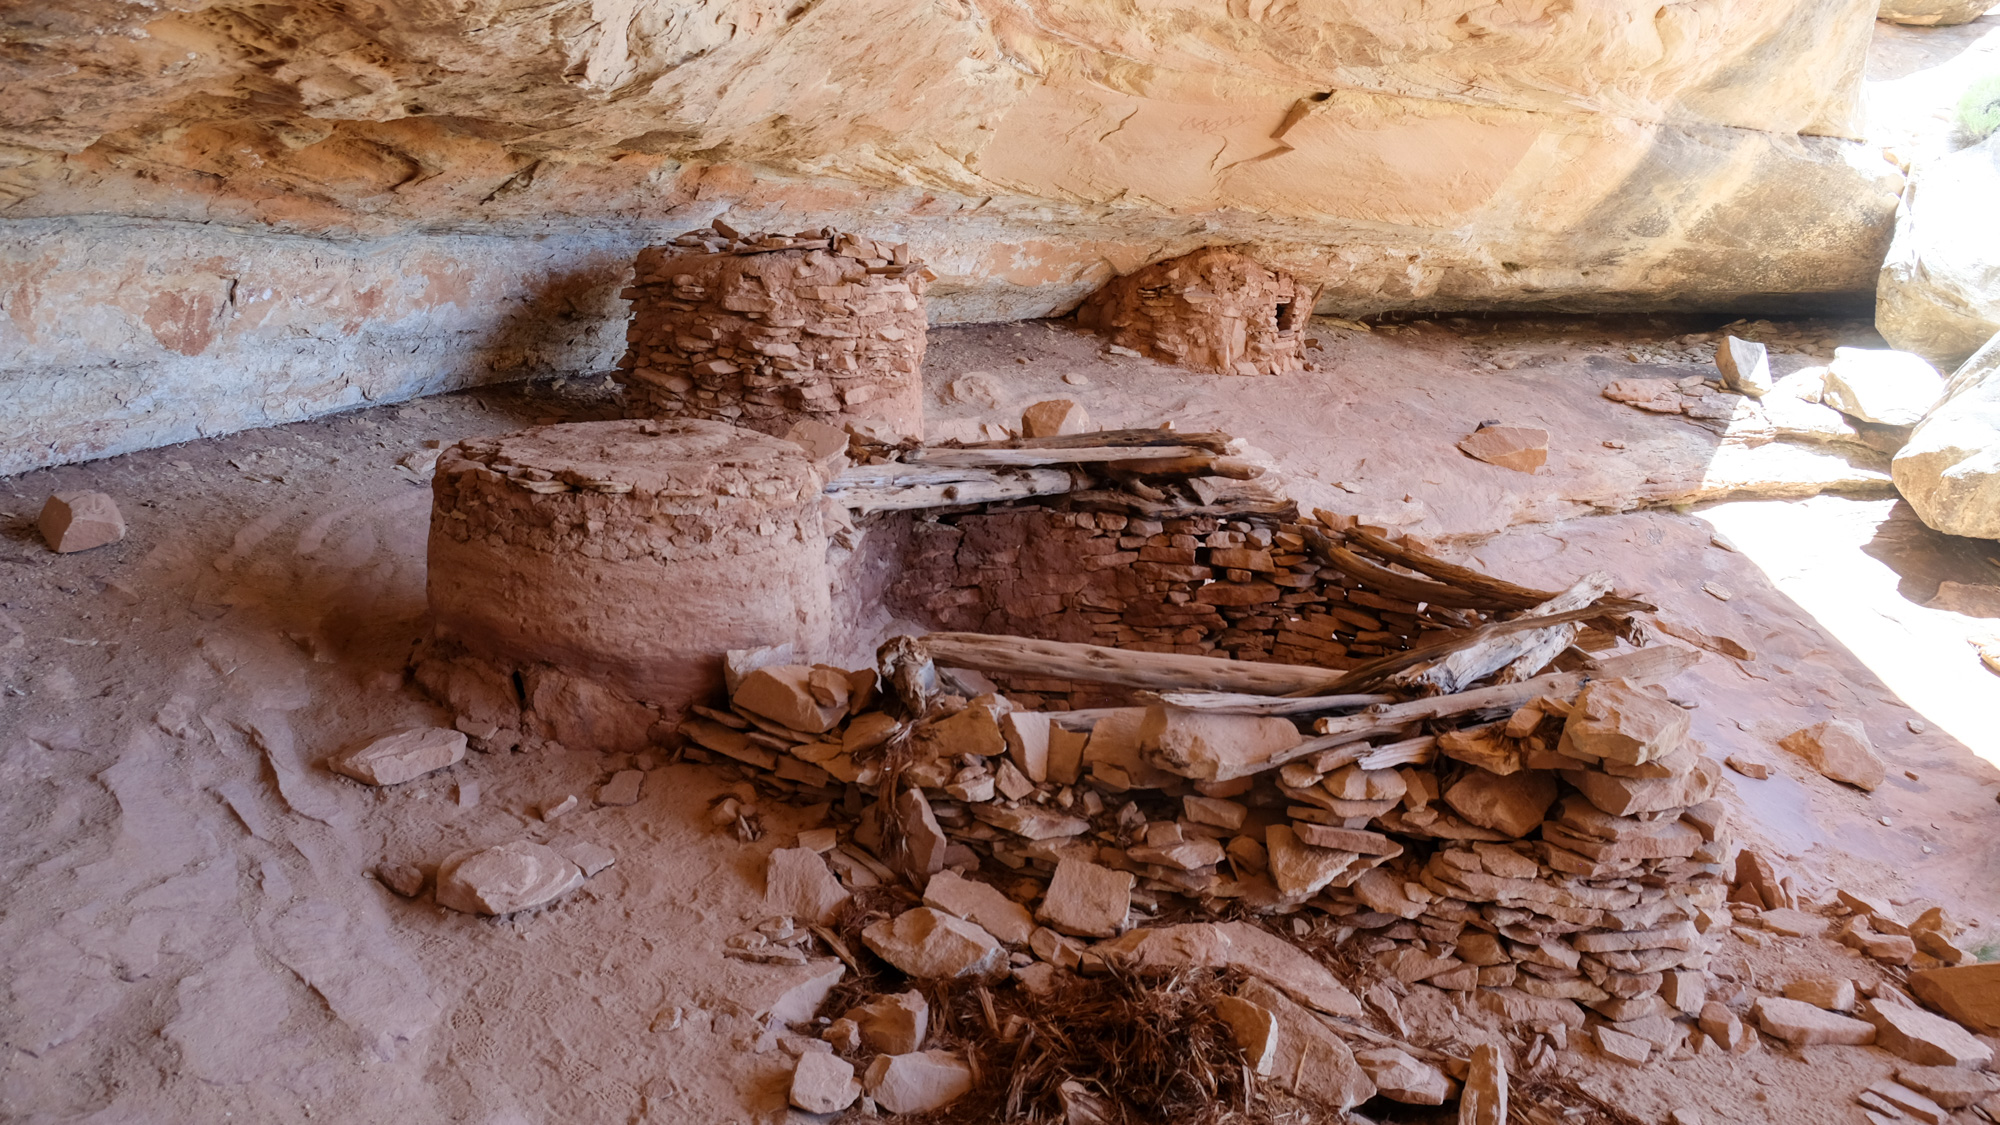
(457,229)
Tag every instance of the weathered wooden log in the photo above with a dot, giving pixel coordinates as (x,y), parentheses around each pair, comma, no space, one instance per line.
(1467,664)
(1508,593)
(985,458)
(1098,664)
(1377,671)
(1648,665)
(1382,580)
(1237,703)
(1214,442)
(892,487)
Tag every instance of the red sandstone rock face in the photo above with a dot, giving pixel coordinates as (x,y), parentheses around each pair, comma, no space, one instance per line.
(761,337)
(1213,310)
(260,214)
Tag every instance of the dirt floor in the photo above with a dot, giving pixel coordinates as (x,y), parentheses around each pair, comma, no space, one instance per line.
(189,927)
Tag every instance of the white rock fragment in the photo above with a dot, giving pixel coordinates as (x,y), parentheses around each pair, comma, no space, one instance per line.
(501,880)
(1086,899)
(823,1083)
(79,521)
(403,756)
(589,857)
(930,943)
(1745,366)
(1878,385)
(893,1025)
(1840,751)
(623,788)
(918,1082)
(980,903)
(798,884)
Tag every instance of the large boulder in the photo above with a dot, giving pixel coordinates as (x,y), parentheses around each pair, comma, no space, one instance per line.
(1950,469)
(1932,13)
(1939,291)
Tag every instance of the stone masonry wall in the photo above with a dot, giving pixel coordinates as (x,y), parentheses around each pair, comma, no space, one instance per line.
(1200,585)
(765,330)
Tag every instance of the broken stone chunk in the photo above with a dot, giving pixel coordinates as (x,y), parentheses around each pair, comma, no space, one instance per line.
(1881,385)
(1835,994)
(589,857)
(1348,840)
(1055,417)
(1720,1024)
(798,884)
(513,876)
(1617,722)
(1214,812)
(1630,796)
(1953,1087)
(823,1083)
(1086,899)
(975,730)
(403,756)
(783,693)
(980,903)
(918,1082)
(623,788)
(1513,804)
(1484,1100)
(1801,1024)
(930,943)
(78,521)
(893,1025)
(1401,1078)
(1213,747)
(1628,1049)
(1923,1038)
(1521,448)
(1254,1029)
(1792,923)
(1840,751)
(1745,366)
(1299,869)
(406,879)
(1907,1102)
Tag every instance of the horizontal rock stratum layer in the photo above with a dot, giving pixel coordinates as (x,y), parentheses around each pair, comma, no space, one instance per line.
(162,164)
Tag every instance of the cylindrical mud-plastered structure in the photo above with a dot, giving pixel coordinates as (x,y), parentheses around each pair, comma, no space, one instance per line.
(629,553)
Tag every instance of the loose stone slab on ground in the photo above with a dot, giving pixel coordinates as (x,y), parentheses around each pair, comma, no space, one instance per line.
(403,756)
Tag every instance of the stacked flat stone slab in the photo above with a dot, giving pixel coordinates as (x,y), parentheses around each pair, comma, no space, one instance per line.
(1239,585)
(627,554)
(1213,310)
(766,330)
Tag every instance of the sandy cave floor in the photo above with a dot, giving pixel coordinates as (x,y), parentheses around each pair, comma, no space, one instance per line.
(190,933)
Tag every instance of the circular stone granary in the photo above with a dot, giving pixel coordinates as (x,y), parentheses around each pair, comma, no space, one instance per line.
(765,330)
(1212,310)
(628,554)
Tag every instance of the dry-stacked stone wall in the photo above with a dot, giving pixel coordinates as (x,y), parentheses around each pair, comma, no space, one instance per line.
(1212,310)
(1242,586)
(765,330)
(631,554)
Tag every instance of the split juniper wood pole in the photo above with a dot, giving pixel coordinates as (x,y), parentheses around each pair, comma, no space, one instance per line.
(1098,664)
(1644,666)
(1236,703)
(1534,648)
(1214,442)
(1018,458)
(888,488)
